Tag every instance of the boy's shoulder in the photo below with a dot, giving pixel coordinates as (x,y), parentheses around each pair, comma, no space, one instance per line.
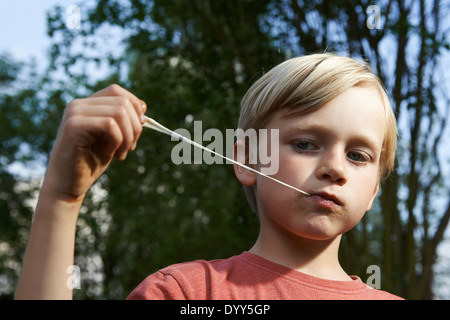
(247,277)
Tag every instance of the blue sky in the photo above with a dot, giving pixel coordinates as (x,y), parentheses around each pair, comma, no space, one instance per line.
(23,34)
(23,25)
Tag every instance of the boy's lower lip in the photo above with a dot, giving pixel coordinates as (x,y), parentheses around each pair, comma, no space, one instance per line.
(325,203)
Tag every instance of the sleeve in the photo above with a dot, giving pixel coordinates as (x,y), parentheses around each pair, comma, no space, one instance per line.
(158,286)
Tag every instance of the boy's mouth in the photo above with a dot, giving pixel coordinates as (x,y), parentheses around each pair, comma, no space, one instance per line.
(326,199)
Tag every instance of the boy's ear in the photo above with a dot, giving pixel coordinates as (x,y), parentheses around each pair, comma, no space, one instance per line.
(240,154)
(375,192)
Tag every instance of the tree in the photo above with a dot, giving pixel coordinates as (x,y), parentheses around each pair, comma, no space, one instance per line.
(194,60)
(170,68)
(30,110)
(415,35)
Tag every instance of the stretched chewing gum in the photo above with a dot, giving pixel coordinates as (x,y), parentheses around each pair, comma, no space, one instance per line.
(153,124)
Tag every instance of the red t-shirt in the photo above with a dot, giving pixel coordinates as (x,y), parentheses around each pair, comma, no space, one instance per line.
(247,277)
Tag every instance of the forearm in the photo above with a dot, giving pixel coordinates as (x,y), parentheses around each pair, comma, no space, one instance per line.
(93,131)
(50,250)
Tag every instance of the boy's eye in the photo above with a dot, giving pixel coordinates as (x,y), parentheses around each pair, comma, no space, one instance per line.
(356,156)
(304,146)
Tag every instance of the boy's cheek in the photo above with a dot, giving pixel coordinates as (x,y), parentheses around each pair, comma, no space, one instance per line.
(374,195)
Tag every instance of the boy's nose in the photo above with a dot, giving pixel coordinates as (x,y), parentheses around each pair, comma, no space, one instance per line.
(332,167)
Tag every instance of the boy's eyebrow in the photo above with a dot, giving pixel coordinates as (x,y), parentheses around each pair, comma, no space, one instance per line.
(322,130)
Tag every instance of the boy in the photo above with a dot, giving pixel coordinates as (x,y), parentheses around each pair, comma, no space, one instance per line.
(337,139)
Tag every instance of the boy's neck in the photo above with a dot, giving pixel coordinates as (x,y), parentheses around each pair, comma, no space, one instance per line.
(318,258)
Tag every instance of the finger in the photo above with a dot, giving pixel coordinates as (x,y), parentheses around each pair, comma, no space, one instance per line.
(118,107)
(86,132)
(116,90)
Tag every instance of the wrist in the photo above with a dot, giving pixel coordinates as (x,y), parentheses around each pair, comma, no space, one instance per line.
(59,188)
(58,205)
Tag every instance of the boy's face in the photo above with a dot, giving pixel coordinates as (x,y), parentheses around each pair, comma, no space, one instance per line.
(333,154)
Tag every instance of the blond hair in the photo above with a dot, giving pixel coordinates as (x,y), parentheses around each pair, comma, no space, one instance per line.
(303,85)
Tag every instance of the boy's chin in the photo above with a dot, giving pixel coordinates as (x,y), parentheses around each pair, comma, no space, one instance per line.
(320,232)
(318,236)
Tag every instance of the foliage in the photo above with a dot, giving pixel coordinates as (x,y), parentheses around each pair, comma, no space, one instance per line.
(195,60)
